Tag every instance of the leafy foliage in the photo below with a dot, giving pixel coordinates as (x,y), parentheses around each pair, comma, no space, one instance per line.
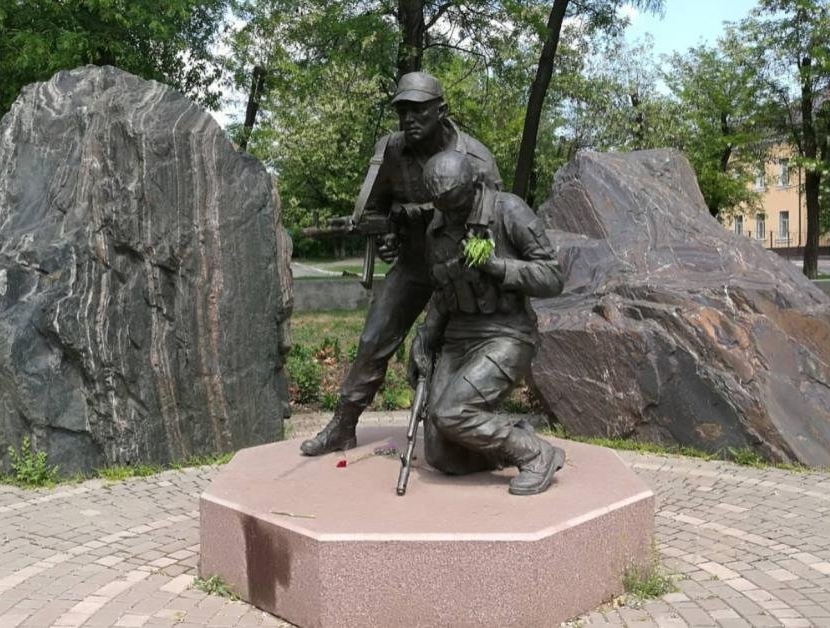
(478,250)
(305,375)
(790,36)
(169,41)
(214,585)
(31,468)
(716,89)
(648,581)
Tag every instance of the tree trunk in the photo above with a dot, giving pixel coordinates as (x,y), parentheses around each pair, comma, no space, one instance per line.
(639,121)
(726,153)
(812,182)
(254,97)
(411,46)
(536,99)
(812,176)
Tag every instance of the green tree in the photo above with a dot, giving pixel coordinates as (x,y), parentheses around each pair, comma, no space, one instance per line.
(331,67)
(717,89)
(600,14)
(612,102)
(791,37)
(169,41)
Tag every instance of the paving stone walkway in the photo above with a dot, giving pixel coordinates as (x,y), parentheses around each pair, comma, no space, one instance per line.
(748,547)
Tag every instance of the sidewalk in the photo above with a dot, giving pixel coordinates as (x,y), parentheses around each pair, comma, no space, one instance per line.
(750,547)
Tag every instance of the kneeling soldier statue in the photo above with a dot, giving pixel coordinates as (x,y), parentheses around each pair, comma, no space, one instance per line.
(479,331)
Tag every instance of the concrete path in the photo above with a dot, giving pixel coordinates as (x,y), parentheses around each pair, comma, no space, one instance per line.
(748,547)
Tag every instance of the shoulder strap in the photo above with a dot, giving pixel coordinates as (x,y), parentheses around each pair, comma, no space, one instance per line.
(369,182)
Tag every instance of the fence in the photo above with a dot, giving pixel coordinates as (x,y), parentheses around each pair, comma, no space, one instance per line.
(788,243)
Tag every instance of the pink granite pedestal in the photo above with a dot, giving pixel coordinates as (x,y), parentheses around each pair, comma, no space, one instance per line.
(324,546)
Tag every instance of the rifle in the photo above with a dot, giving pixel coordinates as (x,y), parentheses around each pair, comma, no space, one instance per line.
(418,414)
(359,215)
(371,225)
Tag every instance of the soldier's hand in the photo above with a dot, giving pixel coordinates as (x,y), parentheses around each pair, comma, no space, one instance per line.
(388,246)
(495,267)
(420,357)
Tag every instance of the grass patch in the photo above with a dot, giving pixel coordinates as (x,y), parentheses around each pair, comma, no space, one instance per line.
(351,265)
(214,585)
(324,348)
(628,444)
(32,471)
(742,456)
(745,457)
(119,473)
(648,582)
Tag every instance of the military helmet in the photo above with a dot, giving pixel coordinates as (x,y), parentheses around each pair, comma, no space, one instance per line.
(417,87)
(448,170)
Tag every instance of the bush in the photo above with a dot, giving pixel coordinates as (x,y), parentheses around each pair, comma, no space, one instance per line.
(351,352)
(30,467)
(305,375)
(395,394)
(328,400)
(329,350)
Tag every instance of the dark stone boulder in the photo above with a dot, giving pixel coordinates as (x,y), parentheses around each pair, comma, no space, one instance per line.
(672,329)
(144,279)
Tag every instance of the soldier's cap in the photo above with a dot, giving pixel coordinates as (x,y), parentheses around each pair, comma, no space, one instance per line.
(417,87)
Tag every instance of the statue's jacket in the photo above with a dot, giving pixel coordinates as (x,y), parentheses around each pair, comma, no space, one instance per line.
(477,303)
(400,186)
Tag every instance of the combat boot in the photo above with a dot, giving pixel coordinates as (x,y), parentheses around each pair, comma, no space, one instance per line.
(339,433)
(536,459)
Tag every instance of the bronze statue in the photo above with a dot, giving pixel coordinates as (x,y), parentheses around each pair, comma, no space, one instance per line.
(479,327)
(394,188)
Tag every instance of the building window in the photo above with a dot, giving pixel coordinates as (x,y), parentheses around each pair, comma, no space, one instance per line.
(739,224)
(784,225)
(760,226)
(783,172)
(759,179)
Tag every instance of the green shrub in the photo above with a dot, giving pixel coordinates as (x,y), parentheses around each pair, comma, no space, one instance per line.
(328,400)
(30,467)
(395,393)
(351,352)
(306,376)
(328,350)
(401,354)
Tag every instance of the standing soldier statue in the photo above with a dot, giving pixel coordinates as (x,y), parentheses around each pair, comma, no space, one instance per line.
(479,328)
(394,188)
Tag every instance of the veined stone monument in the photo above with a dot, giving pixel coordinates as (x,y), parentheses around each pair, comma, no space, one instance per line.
(672,329)
(144,279)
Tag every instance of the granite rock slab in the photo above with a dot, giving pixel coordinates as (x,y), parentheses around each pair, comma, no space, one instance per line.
(144,279)
(672,329)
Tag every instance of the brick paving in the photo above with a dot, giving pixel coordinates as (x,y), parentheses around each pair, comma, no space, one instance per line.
(746,547)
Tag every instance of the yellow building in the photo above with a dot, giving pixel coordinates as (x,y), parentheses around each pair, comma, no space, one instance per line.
(781,222)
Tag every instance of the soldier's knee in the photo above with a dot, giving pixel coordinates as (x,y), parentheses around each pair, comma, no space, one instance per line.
(446,415)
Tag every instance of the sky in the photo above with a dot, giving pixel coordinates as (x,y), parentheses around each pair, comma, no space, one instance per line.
(686,23)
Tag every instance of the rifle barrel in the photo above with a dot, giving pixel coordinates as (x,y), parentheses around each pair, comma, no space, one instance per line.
(412,434)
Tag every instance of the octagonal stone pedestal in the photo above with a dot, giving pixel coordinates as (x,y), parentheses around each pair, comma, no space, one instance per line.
(322,545)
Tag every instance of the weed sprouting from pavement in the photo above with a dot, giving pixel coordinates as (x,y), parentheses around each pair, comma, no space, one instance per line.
(31,468)
(214,585)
